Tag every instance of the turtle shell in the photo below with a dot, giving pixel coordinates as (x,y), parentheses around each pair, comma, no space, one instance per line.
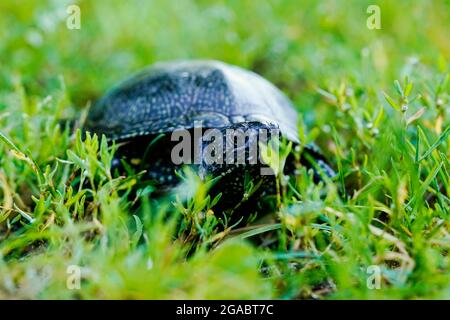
(175,95)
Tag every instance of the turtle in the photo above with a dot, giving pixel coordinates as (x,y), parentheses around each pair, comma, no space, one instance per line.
(143,112)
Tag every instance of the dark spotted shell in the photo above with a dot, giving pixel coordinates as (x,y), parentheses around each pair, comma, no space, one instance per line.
(173,95)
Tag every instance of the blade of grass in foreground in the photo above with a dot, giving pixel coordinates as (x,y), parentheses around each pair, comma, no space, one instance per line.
(438,142)
(258,230)
(25,157)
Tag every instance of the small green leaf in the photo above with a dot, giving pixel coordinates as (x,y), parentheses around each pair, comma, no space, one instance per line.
(408,89)
(398,87)
(327,94)
(138,233)
(391,101)
(77,160)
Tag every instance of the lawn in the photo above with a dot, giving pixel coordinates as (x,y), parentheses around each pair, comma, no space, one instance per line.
(376,101)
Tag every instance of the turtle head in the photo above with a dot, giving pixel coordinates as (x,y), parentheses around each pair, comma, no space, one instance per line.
(232,156)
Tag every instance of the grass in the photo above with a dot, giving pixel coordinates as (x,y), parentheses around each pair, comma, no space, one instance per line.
(375,101)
